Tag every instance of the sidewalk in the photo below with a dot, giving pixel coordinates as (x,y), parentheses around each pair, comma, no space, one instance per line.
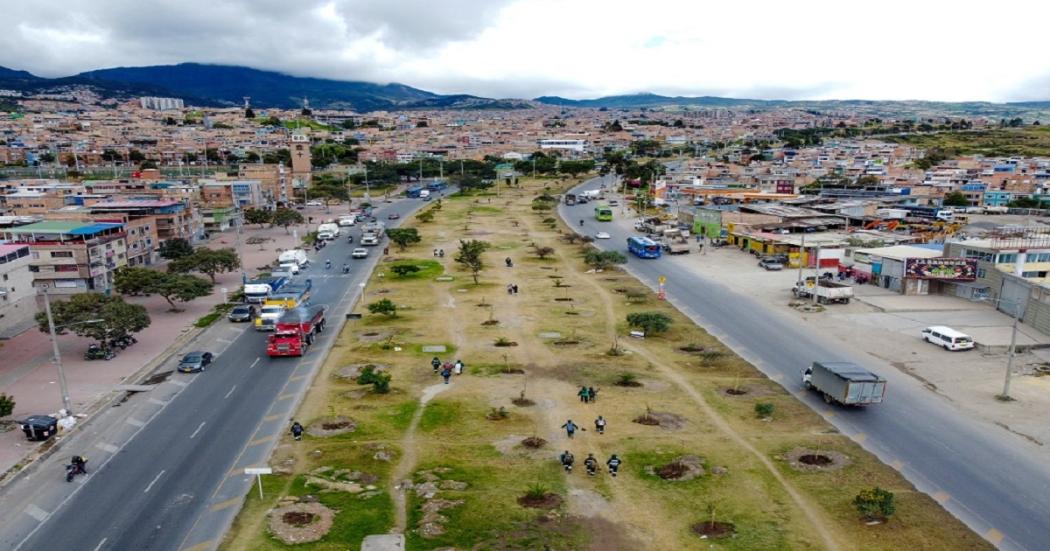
(28,374)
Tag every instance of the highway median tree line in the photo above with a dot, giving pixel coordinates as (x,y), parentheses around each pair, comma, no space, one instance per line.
(174,287)
(116,318)
(403,237)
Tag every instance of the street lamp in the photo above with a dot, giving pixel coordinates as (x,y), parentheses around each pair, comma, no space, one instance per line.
(57,355)
(1005,396)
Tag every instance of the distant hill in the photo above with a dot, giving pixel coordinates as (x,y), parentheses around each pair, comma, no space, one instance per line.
(635,101)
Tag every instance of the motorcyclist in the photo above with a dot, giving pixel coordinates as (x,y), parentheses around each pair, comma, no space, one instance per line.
(581,222)
(297,430)
(346,268)
(77,465)
(327,264)
(349,239)
(614,464)
(599,425)
(567,460)
(591,463)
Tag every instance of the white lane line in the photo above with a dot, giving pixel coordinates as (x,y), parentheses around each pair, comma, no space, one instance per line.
(254,363)
(227,341)
(109,448)
(100,544)
(199,427)
(157,402)
(36,512)
(234,387)
(134,422)
(152,483)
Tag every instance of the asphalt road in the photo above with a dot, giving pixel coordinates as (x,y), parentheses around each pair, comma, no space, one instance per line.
(152,492)
(992,480)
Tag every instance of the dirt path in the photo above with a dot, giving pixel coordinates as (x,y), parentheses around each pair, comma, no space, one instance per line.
(404,467)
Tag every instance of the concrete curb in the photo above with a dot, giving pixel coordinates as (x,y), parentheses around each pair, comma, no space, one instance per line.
(25,466)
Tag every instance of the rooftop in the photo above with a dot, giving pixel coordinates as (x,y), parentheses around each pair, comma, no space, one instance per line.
(902,252)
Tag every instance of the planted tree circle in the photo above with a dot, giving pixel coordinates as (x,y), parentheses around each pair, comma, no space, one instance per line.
(736,391)
(534,442)
(807,460)
(300,522)
(817,459)
(298,518)
(714,530)
(681,469)
(660,419)
(546,500)
(331,426)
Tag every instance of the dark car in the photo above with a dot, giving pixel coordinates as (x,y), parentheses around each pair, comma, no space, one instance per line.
(393,216)
(195,361)
(244,312)
(40,427)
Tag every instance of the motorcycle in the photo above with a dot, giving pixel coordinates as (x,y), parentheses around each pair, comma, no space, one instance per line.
(349,239)
(77,466)
(346,269)
(327,264)
(96,352)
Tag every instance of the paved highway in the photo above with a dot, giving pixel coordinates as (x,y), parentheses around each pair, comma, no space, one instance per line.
(993,481)
(176,481)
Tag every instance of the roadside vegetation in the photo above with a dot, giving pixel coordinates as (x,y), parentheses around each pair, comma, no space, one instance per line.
(1028,141)
(714,454)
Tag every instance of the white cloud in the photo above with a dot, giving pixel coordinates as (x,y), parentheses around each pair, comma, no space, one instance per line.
(892,49)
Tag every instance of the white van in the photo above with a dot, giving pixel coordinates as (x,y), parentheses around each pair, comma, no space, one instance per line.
(328,228)
(347,220)
(298,256)
(947,337)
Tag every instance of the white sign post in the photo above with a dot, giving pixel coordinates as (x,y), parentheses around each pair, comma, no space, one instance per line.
(258,472)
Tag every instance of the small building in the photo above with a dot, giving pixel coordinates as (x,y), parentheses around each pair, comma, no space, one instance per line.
(72,257)
(913,269)
(17,295)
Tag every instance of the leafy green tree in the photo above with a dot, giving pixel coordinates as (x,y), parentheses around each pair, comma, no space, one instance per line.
(404,270)
(252,157)
(136,156)
(118,318)
(175,247)
(575,168)
(603,260)
(385,307)
(207,261)
(130,280)
(257,216)
(403,236)
(470,256)
(148,165)
(875,503)
(651,322)
(7,405)
(180,288)
(542,251)
(469,182)
(1025,203)
(955,199)
(285,217)
(282,155)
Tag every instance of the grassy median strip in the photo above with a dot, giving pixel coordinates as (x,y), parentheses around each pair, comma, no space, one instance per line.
(714,454)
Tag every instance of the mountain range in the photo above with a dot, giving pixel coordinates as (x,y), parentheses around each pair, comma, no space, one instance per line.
(224,85)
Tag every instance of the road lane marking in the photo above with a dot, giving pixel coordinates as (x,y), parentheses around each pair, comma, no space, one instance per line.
(254,363)
(36,512)
(199,427)
(179,383)
(941,497)
(155,479)
(225,504)
(157,402)
(297,378)
(134,422)
(271,417)
(230,392)
(202,546)
(227,341)
(109,448)
(258,441)
(100,544)
(994,536)
(285,397)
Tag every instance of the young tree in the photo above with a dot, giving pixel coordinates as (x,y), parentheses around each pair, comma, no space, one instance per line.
(385,307)
(286,217)
(404,270)
(875,503)
(543,252)
(650,322)
(257,216)
(470,256)
(603,260)
(207,261)
(117,318)
(175,247)
(7,405)
(180,288)
(403,236)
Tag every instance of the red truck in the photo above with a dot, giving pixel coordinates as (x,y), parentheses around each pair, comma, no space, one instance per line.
(295,331)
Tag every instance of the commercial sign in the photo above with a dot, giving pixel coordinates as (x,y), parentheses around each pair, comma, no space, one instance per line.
(948,269)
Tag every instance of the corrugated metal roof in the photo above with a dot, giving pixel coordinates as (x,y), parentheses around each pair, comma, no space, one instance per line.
(95,228)
(47,226)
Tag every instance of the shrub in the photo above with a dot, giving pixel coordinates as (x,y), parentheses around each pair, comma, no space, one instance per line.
(379,380)
(385,306)
(7,405)
(536,491)
(764,409)
(207,319)
(402,270)
(650,322)
(875,503)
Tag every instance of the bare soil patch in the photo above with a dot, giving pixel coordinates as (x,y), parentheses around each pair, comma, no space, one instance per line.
(352,371)
(807,460)
(681,469)
(546,501)
(522,402)
(661,419)
(534,442)
(300,522)
(331,426)
(714,530)
(490,322)
(736,391)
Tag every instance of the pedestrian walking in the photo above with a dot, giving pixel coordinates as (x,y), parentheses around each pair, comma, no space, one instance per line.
(436,364)
(510,289)
(583,394)
(570,427)
(599,425)
(441,253)
(591,463)
(435,252)
(446,374)
(297,430)
(613,464)
(458,367)
(592,395)
(515,288)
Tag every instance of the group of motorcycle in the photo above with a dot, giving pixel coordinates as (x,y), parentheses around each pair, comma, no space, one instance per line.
(107,352)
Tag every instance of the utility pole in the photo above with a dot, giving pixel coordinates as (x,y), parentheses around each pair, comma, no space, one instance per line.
(816,272)
(801,252)
(57,356)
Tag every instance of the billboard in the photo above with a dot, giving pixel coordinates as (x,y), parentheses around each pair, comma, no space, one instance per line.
(948,269)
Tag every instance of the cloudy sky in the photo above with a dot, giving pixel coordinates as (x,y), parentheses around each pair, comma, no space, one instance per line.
(811,49)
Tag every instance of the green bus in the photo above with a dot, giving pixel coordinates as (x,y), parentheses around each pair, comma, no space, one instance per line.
(603,213)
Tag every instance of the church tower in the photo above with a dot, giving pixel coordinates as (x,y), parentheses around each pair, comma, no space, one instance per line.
(301,164)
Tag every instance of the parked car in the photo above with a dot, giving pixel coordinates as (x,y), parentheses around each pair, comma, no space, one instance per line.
(314,204)
(602,235)
(243,312)
(771,264)
(614,203)
(393,216)
(948,338)
(195,361)
(360,253)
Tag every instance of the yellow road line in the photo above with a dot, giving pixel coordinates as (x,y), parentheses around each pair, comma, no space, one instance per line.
(225,504)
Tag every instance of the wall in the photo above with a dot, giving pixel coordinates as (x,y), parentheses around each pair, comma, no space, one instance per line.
(18,306)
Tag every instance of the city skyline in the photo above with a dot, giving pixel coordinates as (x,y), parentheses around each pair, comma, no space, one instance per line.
(530,48)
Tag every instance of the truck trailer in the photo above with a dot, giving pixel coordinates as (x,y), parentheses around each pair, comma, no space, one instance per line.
(295,330)
(257,291)
(827,291)
(844,383)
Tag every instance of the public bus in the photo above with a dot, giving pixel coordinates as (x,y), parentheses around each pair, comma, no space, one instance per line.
(603,213)
(643,247)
